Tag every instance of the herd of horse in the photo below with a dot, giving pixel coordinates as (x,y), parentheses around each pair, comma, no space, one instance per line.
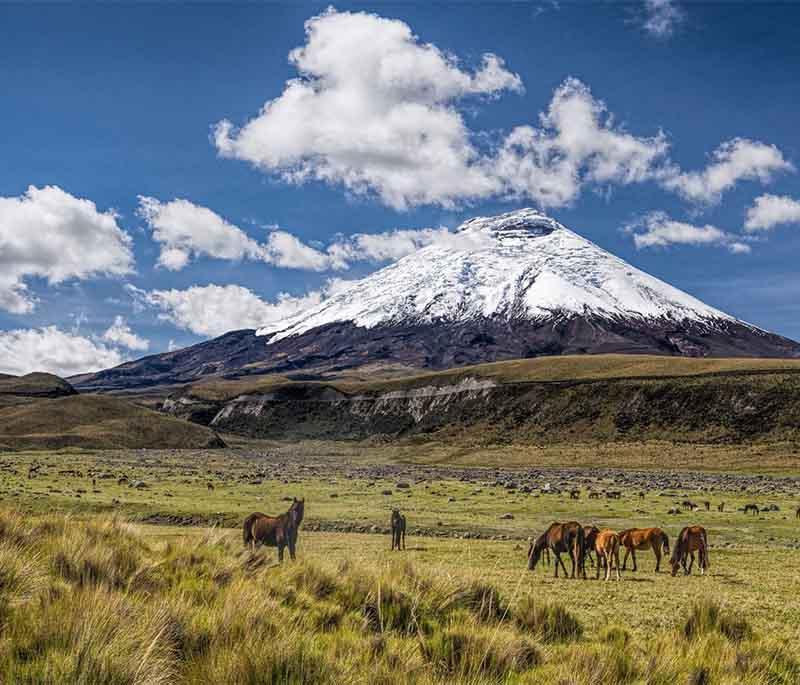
(578,542)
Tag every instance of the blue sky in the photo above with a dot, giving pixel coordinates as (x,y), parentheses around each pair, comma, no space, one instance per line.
(108,104)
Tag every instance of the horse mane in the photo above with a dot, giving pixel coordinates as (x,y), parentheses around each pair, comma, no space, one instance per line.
(678,551)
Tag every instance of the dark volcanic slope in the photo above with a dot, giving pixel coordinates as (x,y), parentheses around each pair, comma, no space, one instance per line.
(339,347)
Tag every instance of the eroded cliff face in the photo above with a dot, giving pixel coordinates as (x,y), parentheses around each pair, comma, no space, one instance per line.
(706,409)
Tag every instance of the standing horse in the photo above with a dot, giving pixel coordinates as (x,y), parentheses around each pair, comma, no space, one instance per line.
(606,545)
(690,540)
(798,512)
(751,508)
(398,530)
(275,531)
(566,538)
(589,537)
(642,538)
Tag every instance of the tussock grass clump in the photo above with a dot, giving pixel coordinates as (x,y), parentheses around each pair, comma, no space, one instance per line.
(466,649)
(708,616)
(550,622)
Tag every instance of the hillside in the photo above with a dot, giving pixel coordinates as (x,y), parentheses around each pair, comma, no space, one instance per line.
(566,399)
(93,422)
(31,387)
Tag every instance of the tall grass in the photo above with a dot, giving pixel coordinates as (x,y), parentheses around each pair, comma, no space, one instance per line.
(92,602)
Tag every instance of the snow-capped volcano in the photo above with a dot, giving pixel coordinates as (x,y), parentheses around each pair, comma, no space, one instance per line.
(506,287)
(516,266)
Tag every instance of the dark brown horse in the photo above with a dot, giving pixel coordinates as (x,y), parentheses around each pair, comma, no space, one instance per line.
(275,531)
(753,508)
(560,538)
(398,530)
(798,512)
(642,538)
(589,537)
(690,540)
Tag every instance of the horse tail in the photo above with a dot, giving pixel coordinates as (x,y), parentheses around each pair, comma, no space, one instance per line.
(580,546)
(247,529)
(665,542)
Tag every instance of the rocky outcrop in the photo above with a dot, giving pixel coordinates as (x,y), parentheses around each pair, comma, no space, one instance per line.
(713,408)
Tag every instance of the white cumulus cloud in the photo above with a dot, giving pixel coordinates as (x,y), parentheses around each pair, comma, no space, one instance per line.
(212,310)
(736,160)
(48,233)
(576,143)
(186,231)
(373,109)
(770,211)
(55,351)
(120,333)
(657,229)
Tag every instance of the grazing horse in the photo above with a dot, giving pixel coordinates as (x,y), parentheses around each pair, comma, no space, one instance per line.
(574,494)
(210,486)
(690,540)
(566,538)
(398,530)
(589,537)
(707,505)
(642,538)
(797,514)
(721,507)
(606,545)
(594,495)
(275,531)
(752,508)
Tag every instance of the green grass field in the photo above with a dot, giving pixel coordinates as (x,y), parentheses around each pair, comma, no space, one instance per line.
(87,597)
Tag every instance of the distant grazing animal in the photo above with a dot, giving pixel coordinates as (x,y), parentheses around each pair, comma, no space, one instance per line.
(606,545)
(613,494)
(674,511)
(560,538)
(690,540)
(751,508)
(642,538)
(275,531)
(707,505)
(641,495)
(688,504)
(589,537)
(398,530)
(574,494)
(210,486)
(721,507)
(594,495)
(797,513)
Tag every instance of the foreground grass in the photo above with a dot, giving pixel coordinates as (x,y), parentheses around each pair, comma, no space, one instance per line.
(97,600)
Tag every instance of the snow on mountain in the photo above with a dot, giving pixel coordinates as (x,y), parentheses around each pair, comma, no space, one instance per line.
(519,265)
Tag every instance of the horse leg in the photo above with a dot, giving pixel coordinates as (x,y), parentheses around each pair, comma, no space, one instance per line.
(616,562)
(280,553)
(597,566)
(633,556)
(291,549)
(691,564)
(657,552)
(404,539)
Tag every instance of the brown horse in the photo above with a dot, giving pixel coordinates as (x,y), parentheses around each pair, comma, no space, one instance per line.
(753,508)
(275,531)
(566,538)
(589,537)
(606,545)
(398,530)
(798,512)
(690,540)
(642,538)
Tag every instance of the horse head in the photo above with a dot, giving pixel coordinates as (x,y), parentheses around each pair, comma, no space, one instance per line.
(297,510)
(534,553)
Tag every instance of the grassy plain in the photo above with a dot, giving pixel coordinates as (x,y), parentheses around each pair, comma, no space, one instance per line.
(92,592)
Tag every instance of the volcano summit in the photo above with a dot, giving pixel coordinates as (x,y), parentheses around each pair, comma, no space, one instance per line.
(511,286)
